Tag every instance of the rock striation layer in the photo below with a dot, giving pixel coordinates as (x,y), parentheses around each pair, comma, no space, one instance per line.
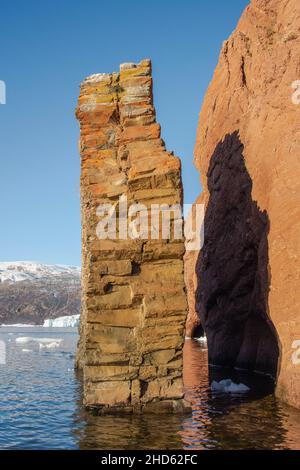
(247,151)
(134,303)
(193,326)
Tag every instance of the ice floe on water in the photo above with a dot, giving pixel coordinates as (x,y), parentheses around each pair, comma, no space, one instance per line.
(67,321)
(228,386)
(27,350)
(44,343)
(70,321)
(201,339)
(52,345)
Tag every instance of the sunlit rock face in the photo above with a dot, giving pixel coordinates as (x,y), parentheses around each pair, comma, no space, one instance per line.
(193,326)
(134,303)
(247,151)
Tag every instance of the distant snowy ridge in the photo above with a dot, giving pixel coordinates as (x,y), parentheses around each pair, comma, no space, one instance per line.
(17,271)
(70,321)
(32,292)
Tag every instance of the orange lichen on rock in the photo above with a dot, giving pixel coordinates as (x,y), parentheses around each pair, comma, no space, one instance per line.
(134,303)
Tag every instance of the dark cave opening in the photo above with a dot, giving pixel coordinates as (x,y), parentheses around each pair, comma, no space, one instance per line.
(198,331)
(233,268)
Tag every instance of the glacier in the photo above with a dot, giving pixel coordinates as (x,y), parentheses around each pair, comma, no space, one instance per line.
(70,321)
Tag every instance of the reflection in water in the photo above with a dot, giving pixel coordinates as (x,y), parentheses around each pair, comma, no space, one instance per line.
(231,421)
(131,432)
(126,432)
(254,420)
(40,404)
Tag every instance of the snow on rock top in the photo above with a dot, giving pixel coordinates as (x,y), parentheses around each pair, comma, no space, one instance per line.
(17,271)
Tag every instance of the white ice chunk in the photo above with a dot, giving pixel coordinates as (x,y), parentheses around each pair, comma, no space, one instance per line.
(70,321)
(53,345)
(202,339)
(48,343)
(228,386)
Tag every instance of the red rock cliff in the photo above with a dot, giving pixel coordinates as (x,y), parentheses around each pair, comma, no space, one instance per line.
(247,152)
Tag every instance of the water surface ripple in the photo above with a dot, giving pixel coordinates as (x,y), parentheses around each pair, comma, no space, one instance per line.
(40,406)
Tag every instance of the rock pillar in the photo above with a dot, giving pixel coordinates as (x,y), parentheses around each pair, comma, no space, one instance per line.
(133,302)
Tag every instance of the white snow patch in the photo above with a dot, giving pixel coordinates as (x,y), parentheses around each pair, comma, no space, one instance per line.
(17,271)
(228,386)
(70,321)
(27,350)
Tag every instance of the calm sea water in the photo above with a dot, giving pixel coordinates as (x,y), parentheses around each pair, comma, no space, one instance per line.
(40,405)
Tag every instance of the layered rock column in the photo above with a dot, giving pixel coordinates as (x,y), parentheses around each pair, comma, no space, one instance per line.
(134,304)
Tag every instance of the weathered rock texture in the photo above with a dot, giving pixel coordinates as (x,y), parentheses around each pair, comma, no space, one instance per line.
(247,151)
(134,303)
(193,323)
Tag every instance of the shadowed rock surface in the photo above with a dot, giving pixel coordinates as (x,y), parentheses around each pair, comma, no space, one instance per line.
(232,269)
(251,94)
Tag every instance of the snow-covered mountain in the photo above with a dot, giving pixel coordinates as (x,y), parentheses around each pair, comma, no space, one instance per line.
(33,292)
(18,271)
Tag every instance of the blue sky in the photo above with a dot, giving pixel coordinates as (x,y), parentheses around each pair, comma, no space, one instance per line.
(46,49)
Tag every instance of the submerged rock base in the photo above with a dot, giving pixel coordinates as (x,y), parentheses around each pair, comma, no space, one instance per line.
(134,304)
